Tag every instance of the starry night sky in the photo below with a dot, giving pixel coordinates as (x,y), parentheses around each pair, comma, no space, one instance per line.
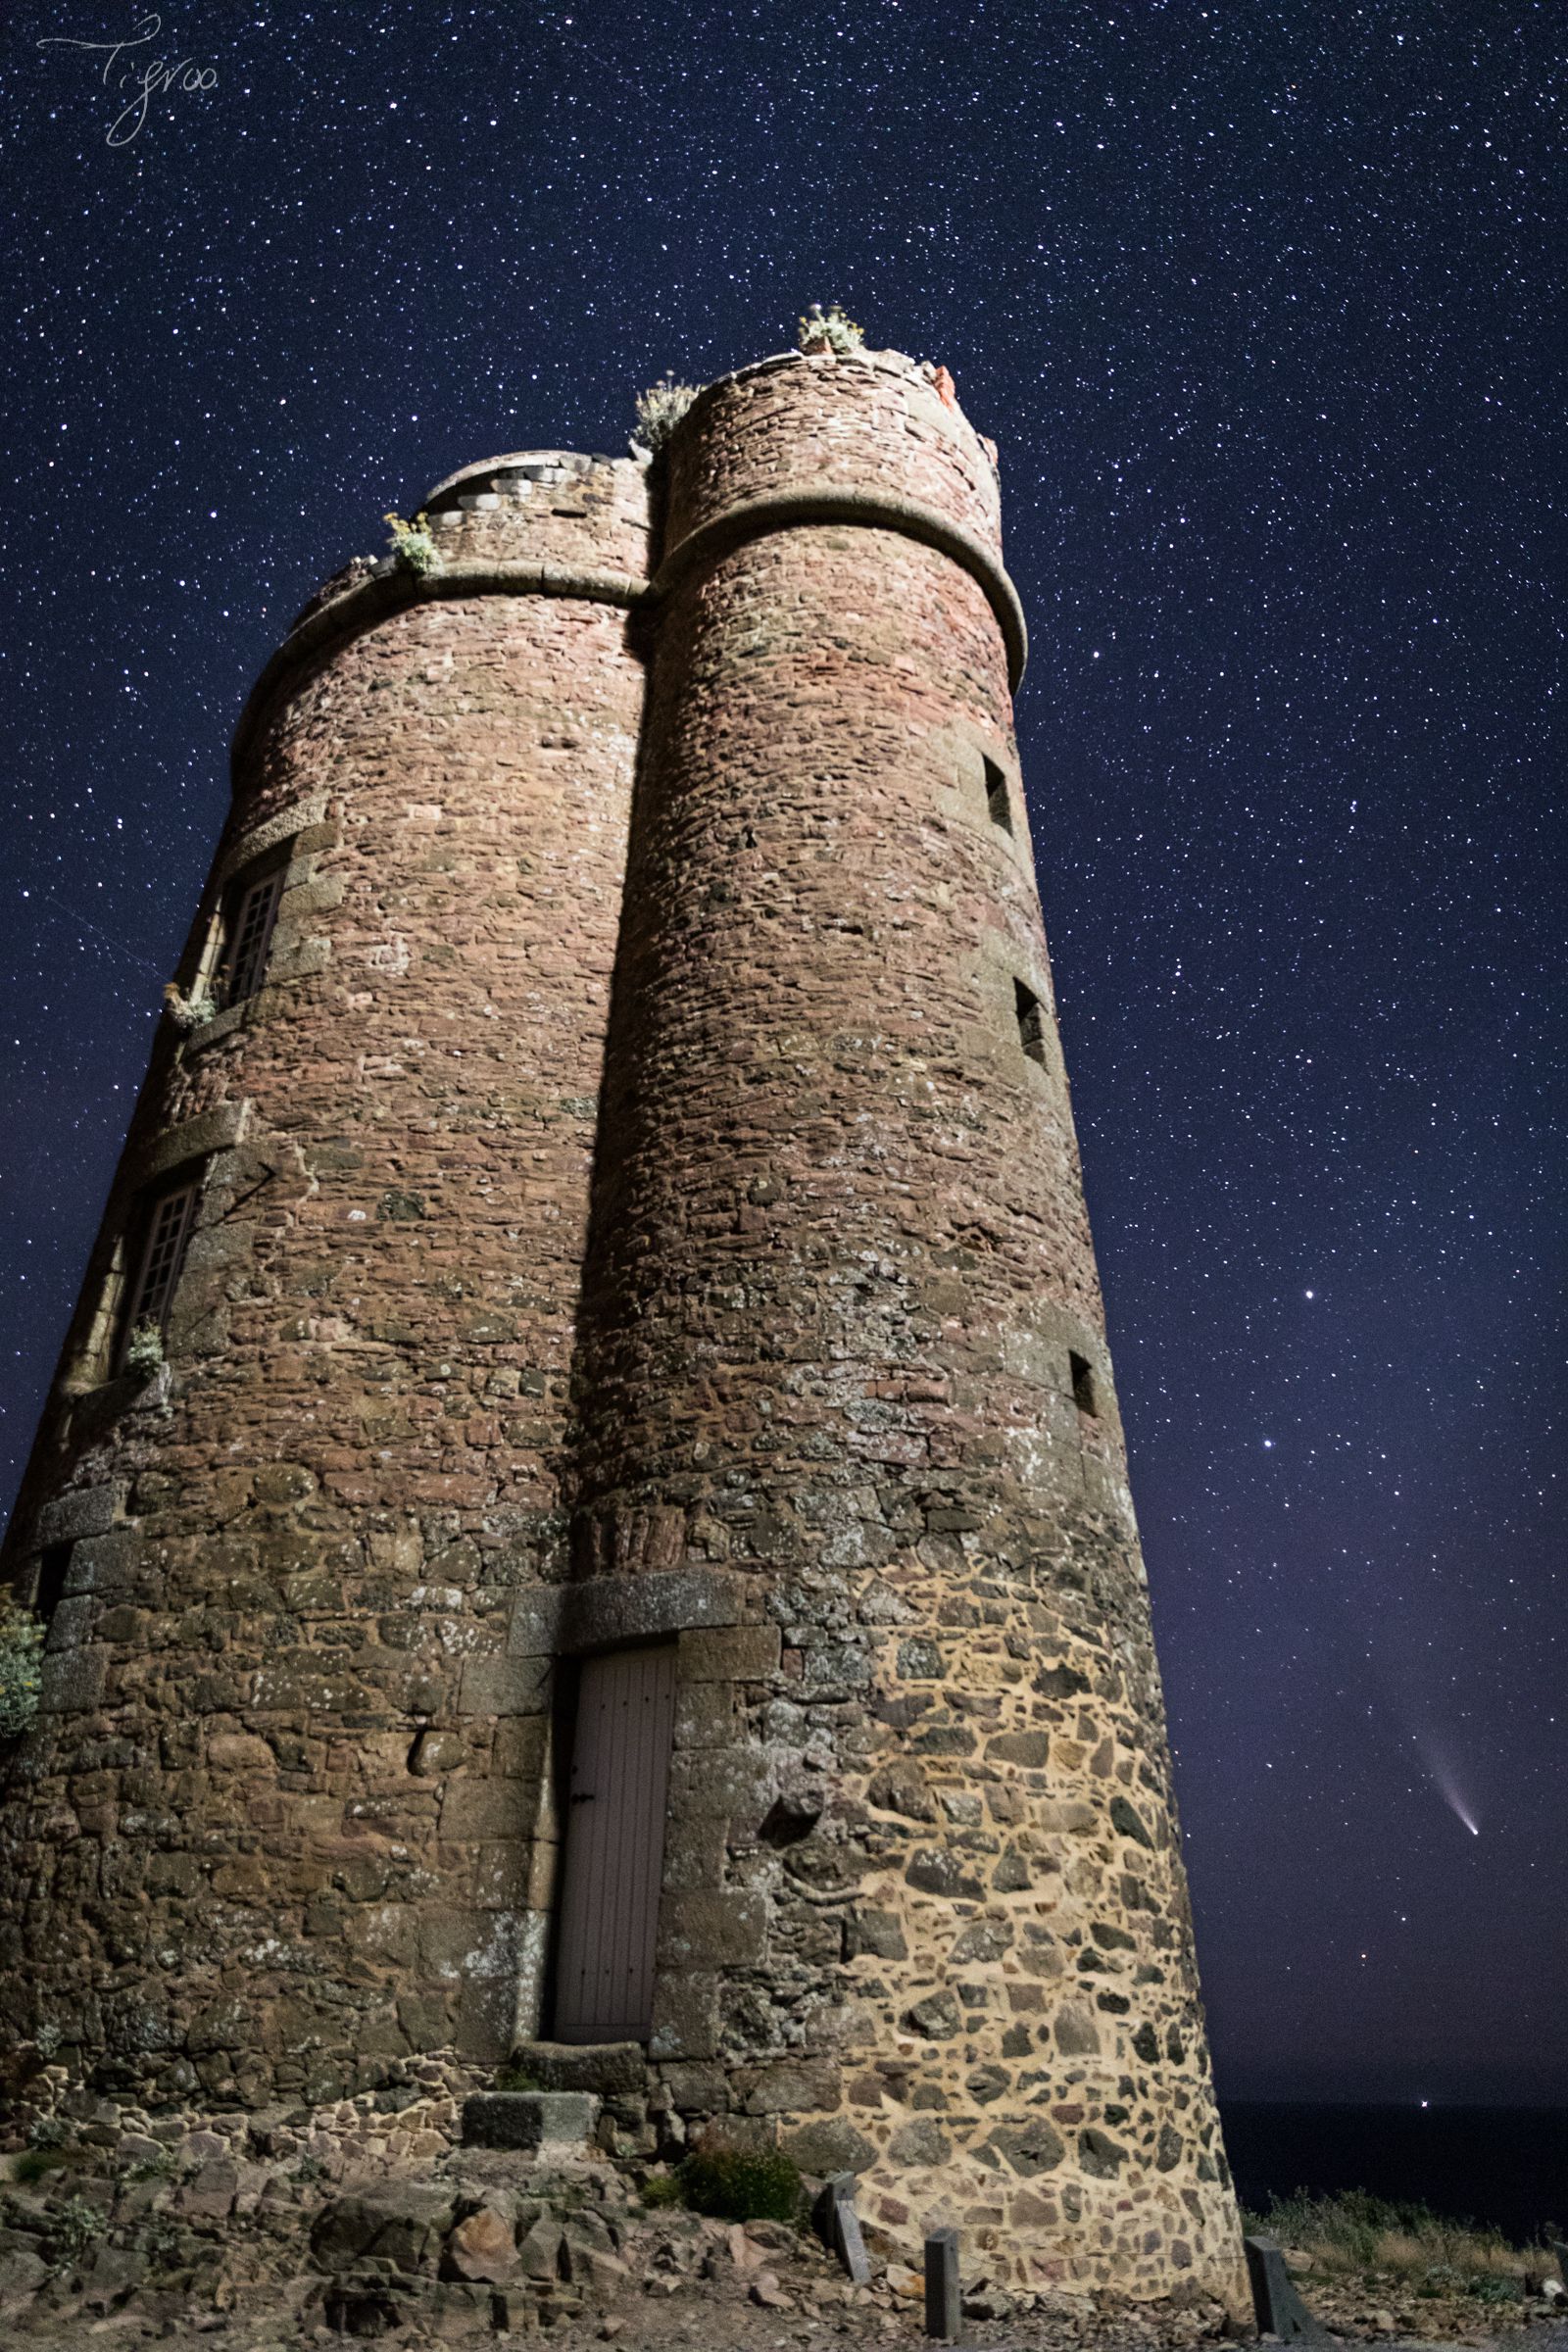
(1259,302)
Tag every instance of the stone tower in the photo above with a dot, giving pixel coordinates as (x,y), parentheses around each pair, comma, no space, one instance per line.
(627,1548)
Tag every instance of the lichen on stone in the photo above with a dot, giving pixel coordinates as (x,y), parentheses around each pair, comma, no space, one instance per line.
(144,1351)
(189,1012)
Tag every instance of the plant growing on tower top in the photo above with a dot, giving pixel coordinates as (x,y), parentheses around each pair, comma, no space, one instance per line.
(411,544)
(830,330)
(659,410)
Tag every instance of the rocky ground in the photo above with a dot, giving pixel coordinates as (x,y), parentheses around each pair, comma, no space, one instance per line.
(488,2247)
(1390,2306)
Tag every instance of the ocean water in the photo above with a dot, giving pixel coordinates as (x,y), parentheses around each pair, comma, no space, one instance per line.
(1507,2166)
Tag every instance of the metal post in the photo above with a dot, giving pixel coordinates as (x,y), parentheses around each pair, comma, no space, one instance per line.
(944,2311)
(1279,2308)
(838,2226)
(851,2245)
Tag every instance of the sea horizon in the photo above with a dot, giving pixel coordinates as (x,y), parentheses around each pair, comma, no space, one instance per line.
(1492,2162)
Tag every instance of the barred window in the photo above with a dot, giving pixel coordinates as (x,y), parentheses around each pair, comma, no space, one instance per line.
(249,913)
(164,1236)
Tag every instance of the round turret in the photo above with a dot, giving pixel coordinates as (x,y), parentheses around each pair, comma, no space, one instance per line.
(308,1429)
(843,1383)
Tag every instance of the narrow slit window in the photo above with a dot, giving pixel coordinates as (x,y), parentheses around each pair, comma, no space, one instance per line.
(997,803)
(165,1236)
(1083,1380)
(53,1565)
(248,919)
(1031,1022)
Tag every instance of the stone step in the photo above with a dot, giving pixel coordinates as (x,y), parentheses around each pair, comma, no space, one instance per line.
(611,2069)
(528,2119)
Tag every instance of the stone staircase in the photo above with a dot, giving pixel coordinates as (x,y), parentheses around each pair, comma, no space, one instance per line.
(569,2088)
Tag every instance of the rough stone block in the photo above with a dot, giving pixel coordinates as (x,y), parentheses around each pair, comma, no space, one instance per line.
(84,1511)
(879,1932)
(72,1680)
(116,2271)
(741,1653)
(705,1715)
(736,1785)
(608,2068)
(474,1808)
(71,1624)
(1125,1816)
(696,1848)
(209,1132)
(685,2016)
(212,2193)
(600,1610)
(536,1626)
(830,2145)
(712,1931)
(505,1686)
(1030,2148)
(793,2088)
(539,2254)
(401,2222)
(920,2141)
(1032,1748)
(484,2246)
(697,2089)
(528,2119)
(106,1563)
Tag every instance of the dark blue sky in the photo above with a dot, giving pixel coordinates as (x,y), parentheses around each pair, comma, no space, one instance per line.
(1259,304)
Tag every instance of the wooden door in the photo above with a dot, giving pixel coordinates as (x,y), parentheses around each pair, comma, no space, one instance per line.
(614,1846)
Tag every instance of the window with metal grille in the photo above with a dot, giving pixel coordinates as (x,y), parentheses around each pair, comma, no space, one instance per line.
(164,1236)
(249,914)
(997,801)
(1031,1022)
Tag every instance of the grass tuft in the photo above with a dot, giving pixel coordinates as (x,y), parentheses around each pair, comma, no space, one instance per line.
(1355,2233)
(741,2184)
(513,2077)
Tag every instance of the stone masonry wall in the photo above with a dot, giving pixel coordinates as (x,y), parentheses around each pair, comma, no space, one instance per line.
(924,1913)
(273,1831)
(877,425)
(785,1347)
